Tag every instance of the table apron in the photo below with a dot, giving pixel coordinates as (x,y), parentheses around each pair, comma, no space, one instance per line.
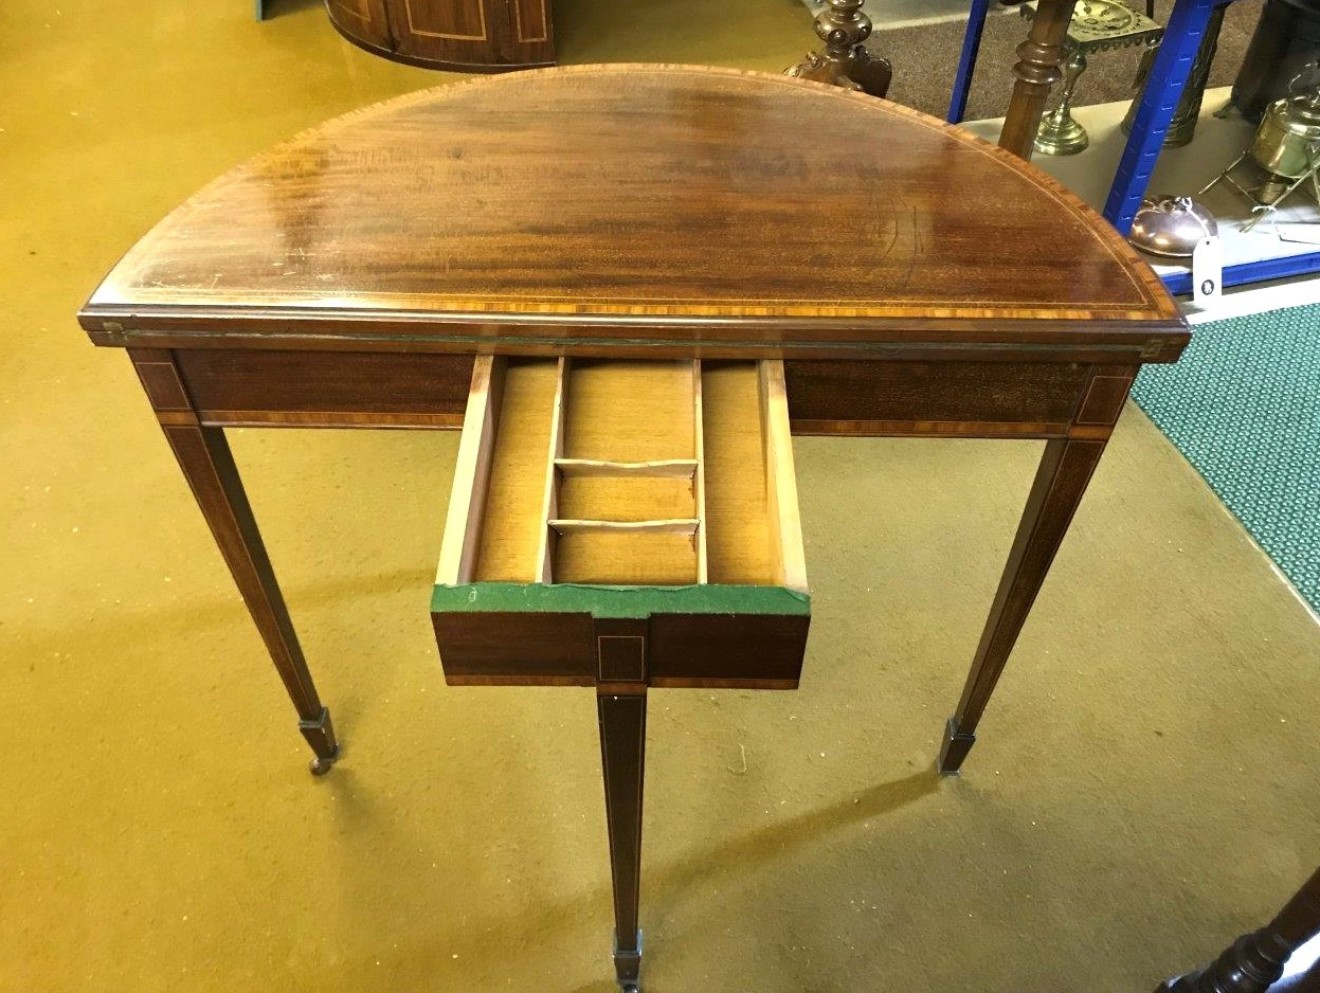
(937,398)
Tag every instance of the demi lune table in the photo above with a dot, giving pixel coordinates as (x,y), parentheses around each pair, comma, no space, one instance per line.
(911,279)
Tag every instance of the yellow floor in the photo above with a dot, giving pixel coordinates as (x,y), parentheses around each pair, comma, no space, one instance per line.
(1145,784)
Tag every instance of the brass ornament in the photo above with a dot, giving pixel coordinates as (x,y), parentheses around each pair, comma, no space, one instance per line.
(1096,26)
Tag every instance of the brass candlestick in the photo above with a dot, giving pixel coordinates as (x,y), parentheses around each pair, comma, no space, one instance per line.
(1059,133)
(845,61)
(1096,26)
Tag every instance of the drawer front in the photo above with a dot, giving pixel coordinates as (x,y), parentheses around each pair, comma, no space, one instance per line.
(748,651)
(326,388)
(623,522)
(514,647)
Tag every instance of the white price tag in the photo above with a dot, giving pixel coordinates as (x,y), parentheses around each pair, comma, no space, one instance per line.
(1207,271)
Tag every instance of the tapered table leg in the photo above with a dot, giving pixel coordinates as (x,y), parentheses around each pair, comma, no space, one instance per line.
(1064,471)
(623,756)
(205,458)
(1039,66)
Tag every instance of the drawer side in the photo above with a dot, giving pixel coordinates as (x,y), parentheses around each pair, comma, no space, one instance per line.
(589,494)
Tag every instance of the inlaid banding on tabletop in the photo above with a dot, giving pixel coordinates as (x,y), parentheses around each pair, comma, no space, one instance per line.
(373,213)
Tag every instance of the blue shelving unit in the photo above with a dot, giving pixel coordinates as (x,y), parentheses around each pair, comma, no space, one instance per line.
(962,83)
(1173,62)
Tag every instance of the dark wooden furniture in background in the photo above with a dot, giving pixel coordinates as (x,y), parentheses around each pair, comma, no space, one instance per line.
(845,61)
(639,212)
(1255,963)
(495,36)
(1039,67)
(459,35)
(490,36)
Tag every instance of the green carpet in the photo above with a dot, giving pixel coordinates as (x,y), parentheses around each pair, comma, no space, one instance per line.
(1243,405)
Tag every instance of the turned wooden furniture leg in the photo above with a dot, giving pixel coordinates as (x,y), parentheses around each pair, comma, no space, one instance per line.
(623,754)
(1256,961)
(845,61)
(1039,66)
(1064,471)
(205,459)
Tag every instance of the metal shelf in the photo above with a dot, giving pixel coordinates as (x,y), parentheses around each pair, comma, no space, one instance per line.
(1116,171)
(1248,257)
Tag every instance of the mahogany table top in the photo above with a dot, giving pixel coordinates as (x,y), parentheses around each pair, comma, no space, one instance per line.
(663,204)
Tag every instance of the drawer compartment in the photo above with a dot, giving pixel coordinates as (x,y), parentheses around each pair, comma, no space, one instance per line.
(617,521)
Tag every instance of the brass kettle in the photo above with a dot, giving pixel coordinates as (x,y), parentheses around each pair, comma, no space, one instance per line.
(1288,140)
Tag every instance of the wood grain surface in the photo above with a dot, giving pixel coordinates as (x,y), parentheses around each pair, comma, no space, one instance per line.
(458,35)
(914,280)
(625,204)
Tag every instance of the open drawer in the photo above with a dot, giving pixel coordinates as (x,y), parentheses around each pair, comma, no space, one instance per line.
(623,522)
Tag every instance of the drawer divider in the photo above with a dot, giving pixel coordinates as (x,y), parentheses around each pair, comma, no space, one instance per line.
(699,475)
(666,468)
(674,525)
(550,502)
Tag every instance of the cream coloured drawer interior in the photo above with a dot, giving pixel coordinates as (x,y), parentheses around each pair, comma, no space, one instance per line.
(602,488)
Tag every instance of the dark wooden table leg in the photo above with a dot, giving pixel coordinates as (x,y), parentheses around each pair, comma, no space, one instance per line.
(845,61)
(1039,66)
(623,757)
(1256,961)
(1064,471)
(204,456)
